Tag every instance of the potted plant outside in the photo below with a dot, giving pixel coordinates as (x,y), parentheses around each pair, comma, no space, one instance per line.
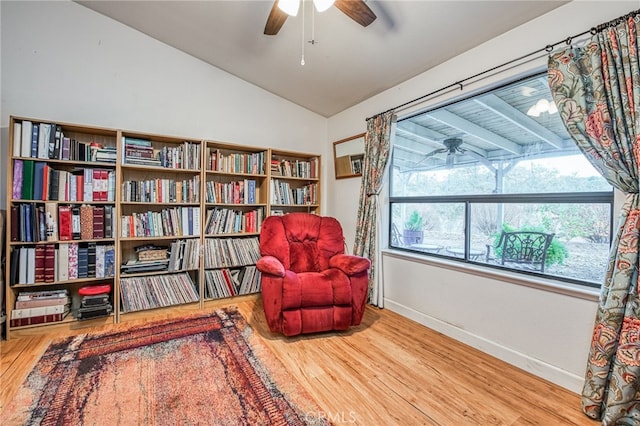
(413,229)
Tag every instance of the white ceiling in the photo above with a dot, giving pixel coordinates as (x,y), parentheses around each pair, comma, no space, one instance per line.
(347,65)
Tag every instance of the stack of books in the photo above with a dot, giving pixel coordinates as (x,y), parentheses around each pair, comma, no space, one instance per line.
(39,307)
(95,302)
(140,151)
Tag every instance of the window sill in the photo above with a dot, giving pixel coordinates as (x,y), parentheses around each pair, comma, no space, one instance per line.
(545,284)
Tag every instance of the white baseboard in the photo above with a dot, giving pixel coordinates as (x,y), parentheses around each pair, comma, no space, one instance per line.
(536,367)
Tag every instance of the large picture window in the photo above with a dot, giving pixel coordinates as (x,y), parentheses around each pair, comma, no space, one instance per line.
(495,179)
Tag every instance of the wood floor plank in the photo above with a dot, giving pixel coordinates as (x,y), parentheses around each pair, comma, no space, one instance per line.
(389,370)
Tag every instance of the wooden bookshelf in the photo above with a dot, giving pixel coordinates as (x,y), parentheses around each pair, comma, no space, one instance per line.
(236,203)
(156,181)
(52,221)
(294,182)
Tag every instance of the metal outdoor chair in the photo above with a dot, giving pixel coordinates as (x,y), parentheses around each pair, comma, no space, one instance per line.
(396,237)
(523,249)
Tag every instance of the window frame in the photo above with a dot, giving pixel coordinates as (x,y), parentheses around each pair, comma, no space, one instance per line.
(595,197)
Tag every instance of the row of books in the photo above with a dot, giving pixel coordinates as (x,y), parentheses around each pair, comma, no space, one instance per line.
(156,291)
(162,190)
(47,141)
(228,221)
(33,222)
(231,252)
(240,192)
(220,283)
(142,152)
(237,162)
(283,193)
(35,180)
(296,168)
(49,263)
(184,255)
(175,221)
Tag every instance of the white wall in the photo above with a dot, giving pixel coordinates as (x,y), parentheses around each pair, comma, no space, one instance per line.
(64,62)
(545,332)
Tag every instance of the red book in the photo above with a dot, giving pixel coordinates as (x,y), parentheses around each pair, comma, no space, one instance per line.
(65,229)
(98,222)
(41,319)
(96,185)
(50,263)
(40,264)
(80,188)
(227,280)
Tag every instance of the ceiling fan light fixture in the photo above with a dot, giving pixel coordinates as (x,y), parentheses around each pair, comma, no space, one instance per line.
(290,7)
(322,5)
(541,106)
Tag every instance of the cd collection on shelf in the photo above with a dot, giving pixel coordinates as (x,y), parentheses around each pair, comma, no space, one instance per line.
(156,291)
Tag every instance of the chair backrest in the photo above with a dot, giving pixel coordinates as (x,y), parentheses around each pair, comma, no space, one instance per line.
(525,247)
(396,237)
(303,242)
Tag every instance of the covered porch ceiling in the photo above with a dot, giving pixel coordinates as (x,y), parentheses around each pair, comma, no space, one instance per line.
(494,125)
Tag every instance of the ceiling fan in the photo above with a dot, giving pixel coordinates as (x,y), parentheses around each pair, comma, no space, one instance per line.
(354,9)
(452,147)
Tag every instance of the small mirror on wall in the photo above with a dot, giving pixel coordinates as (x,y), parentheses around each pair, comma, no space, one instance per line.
(348,155)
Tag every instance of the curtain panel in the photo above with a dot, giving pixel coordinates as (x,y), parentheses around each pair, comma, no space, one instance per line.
(377,146)
(597,91)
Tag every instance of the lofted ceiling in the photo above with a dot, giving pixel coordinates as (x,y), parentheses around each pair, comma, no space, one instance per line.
(346,64)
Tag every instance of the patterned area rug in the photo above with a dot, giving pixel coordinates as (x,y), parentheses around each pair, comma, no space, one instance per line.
(206,369)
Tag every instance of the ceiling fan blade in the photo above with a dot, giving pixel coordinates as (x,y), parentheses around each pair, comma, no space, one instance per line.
(356,10)
(429,155)
(275,20)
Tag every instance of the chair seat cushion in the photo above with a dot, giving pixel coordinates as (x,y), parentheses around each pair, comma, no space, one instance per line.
(315,289)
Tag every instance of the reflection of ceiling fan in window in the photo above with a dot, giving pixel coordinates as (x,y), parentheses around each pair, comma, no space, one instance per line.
(452,147)
(354,9)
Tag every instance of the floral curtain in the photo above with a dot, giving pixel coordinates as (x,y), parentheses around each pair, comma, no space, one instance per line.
(377,145)
(597,90)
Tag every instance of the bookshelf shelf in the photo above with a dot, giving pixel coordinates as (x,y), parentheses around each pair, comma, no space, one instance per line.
(152,189)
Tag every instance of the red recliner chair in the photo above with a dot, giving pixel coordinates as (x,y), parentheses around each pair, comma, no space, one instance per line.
(308,283)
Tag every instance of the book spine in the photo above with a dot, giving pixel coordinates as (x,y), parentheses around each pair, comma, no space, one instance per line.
(40,264)
(51,219)
(73,261)
(27,180)
(50,263)
(65,223)
(86,222)
(98,222)
(63,262)
(17,179)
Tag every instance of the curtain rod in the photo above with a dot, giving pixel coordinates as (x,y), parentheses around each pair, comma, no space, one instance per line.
(548,48)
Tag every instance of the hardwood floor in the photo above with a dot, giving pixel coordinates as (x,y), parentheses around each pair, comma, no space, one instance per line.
(387,371)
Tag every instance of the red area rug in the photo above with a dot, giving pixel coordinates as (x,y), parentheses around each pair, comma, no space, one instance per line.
(200,370)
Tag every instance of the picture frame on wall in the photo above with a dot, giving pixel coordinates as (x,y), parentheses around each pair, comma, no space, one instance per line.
(348,156)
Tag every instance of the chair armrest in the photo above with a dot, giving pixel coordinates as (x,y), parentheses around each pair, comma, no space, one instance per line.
(270,265)
(350,264)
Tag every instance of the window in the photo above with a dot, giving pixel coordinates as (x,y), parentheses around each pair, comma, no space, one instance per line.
(496,176)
